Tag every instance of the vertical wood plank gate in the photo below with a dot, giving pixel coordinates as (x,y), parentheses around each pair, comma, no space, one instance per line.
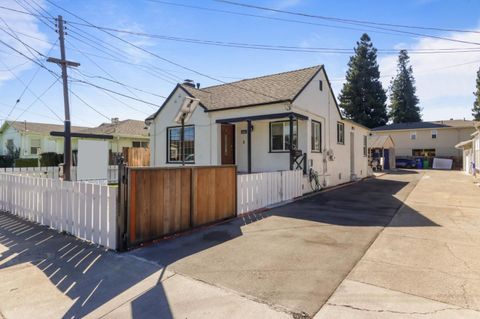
(156,202)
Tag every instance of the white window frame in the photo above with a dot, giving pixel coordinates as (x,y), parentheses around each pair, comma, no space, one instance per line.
(413,135)
(143,144)
(286,132)
(316,129)
(341,133)
(434,133)
(34,147)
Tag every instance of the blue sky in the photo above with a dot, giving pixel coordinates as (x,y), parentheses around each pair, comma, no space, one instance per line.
(445,82)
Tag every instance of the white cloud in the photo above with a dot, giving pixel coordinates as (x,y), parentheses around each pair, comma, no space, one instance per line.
(445,81)
(28,26)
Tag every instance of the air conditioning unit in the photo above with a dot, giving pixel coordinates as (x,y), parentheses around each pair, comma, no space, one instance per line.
(330,155)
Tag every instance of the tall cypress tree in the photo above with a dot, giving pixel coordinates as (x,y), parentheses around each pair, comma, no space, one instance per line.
(362,97)
(476,104)
(403,100)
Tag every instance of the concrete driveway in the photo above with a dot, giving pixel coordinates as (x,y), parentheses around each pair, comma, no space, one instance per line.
(292,257)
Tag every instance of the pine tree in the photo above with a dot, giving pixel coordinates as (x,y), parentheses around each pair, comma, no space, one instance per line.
(476,104)
(362,98)
(403,100)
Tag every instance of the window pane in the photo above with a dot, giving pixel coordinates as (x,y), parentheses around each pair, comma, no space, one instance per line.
(174,147)
(316,136)
(277,136)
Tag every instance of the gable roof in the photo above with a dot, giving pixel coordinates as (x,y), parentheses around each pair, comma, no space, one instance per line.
(260,90)
(38,128)
(121,128)
(426,125)
(274,88)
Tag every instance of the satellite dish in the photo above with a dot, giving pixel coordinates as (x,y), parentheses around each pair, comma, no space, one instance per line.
(186,110)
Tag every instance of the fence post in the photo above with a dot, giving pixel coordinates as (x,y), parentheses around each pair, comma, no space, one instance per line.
(122,206)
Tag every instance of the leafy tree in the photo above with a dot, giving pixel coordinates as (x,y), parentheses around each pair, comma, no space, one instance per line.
(13,151)
(403,100)
(362,98)
(476,104)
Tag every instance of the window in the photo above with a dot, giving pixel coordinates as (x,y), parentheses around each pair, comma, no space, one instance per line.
(280,136)
(143,144)
(413,135)
(424,152)
(174,152)
(320,85)
(434,134)
(340,133)
(316,136)
(365,147)
(35,146)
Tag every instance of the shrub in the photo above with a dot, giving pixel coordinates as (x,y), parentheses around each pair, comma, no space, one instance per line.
(6,161)
(26,162)
(50,159)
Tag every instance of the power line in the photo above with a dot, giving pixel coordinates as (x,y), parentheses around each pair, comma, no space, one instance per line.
(120,83)
(347,21)
(270,47)
(26,86)
(31,104)
(162,58)
(91,107)
(112,79)
(351,20)
(114,92)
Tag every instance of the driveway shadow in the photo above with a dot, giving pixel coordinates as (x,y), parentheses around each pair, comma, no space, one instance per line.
(87,274)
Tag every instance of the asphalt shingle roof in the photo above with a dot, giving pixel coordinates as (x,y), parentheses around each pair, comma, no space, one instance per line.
(41,128)
(426,125)
(125,127)
(260,90)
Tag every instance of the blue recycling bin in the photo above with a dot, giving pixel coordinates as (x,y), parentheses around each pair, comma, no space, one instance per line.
(419,163)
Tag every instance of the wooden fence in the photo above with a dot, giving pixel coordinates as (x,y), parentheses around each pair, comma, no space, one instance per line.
(260,190)
(137,156)
(53,172)
(164,201)
(87,211)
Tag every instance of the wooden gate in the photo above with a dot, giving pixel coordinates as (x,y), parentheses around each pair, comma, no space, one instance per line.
(156,202)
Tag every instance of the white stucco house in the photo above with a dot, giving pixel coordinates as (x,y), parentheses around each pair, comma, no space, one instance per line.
(250,123)
(35,138)
(470,149)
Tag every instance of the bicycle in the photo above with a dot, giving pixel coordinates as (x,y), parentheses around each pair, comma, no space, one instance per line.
(313,178)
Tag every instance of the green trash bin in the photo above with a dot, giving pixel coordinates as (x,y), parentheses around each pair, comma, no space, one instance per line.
(425,163)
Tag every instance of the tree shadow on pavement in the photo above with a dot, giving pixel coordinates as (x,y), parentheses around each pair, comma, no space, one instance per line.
(88,275)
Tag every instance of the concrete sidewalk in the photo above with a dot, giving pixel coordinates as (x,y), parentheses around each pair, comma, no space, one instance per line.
(410,272)
(44,274)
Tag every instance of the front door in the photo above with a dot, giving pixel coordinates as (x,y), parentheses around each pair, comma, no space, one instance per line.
(228,144)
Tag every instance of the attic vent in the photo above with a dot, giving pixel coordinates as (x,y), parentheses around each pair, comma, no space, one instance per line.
(189,82)
(320,85)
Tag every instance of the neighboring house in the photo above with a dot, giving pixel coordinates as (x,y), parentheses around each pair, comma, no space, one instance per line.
(126,133)
(471,152)
(32,138)
(296,106)
(428,139)
(35,138)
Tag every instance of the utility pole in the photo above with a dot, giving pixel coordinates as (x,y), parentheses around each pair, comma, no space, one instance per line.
(67,145)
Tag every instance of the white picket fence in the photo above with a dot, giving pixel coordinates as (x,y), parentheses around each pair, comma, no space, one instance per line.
(85,210)
(255,191)
(53,172)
